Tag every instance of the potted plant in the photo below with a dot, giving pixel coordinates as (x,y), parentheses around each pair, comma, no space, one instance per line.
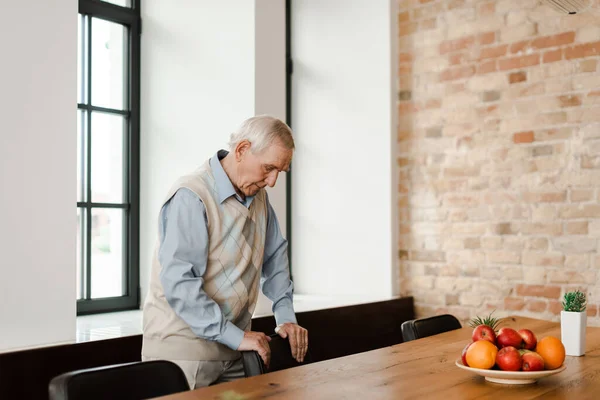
(573,320)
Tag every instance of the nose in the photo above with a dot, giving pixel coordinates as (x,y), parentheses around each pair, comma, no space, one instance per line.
(272,178)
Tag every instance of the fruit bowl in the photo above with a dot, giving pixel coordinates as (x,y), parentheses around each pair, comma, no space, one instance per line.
(510,377)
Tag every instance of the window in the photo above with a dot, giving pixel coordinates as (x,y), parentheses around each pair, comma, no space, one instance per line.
(108,80)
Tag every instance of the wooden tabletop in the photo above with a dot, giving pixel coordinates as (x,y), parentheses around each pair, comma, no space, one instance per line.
(415,370)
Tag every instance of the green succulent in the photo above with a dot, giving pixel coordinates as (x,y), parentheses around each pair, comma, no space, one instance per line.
(574,301)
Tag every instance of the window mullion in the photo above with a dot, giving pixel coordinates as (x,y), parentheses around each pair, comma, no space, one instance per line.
(88,227)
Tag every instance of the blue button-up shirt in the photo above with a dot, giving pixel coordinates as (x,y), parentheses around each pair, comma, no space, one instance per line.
(183,254)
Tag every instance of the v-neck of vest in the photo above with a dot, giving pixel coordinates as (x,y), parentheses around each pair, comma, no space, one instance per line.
(239,206)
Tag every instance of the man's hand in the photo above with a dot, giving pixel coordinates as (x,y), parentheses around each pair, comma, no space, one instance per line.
(259,342)
(298,337)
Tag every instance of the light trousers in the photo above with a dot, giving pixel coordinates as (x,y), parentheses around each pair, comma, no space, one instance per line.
(205,373)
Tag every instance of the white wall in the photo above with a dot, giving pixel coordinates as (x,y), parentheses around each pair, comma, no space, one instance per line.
(270,81)
(38,78)
(204,70)
(343,115)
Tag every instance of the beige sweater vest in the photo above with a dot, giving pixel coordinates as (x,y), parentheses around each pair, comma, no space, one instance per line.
(236,247)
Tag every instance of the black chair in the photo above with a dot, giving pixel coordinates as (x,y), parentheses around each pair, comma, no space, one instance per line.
(281,358)
(420,328)
(133,381)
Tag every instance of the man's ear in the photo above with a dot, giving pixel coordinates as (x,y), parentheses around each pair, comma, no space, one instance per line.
(241,149)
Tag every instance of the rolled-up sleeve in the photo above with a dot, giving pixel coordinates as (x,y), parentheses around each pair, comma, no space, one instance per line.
(183,254)
(275,281)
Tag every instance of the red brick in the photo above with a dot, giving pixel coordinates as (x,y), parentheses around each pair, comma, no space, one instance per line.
(519,46)
(554,40)
(427,24)
(523,137)
(552,56)
(429,11)
(536,306)
(548,291)
(407,28)
(545,197)
(582,50)
(405,81)
(448,46)
(404,69)
(431,104)
(487,8)
(452,88)
(455,4)
(403,17)
(516,77)
(570,100)
(456,58)
(493,52)
(425,255)
(487,67)
(577,228)
(457,73)
(555,307)
(405,57)
(406,108)
(425,1)
(514,303)
(587,65)
(594,93)
(531,90)
(518,62)
(487,38)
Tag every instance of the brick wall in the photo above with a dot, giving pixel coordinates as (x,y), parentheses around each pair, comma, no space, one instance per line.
(498,156)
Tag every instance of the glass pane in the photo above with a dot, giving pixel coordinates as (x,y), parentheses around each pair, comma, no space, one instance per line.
(107,158)
(108,252)
(80,244)
(122,3)
(108,64)
(81,155)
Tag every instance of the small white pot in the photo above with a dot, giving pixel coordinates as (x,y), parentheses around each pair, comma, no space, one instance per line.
(572,332)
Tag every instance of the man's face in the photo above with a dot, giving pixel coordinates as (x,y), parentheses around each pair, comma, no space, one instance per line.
(258,170)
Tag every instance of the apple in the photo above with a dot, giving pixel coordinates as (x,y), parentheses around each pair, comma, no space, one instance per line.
(529,339)
(484,332)
(464,354)
(509,337)
(509,359)
(532,361)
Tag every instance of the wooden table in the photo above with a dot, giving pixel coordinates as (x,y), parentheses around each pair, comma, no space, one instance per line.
(421,369)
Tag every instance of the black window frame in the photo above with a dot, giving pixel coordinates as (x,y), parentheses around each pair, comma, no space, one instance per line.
(131,18)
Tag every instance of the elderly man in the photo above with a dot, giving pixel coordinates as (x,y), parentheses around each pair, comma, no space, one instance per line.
(218,238)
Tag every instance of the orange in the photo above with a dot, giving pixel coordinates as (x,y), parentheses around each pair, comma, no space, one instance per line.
(552,351)
(482,354)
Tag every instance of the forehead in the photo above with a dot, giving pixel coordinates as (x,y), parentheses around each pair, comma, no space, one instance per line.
(276,155)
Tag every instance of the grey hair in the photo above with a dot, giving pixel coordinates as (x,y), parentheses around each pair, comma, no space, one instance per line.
(262,131)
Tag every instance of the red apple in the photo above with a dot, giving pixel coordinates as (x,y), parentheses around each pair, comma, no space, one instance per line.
(532,361)
(464,354)
(484,332)
(529,339)
(509,337)
(509,359)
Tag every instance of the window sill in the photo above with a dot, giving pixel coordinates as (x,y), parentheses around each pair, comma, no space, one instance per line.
(129,323)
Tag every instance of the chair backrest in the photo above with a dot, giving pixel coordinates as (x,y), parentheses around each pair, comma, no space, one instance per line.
(281,358)
(420,328)
(132,381)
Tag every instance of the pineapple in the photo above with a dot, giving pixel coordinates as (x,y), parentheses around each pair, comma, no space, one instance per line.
(490,321)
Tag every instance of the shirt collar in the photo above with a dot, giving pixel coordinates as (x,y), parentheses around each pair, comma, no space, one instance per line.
(225,188)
